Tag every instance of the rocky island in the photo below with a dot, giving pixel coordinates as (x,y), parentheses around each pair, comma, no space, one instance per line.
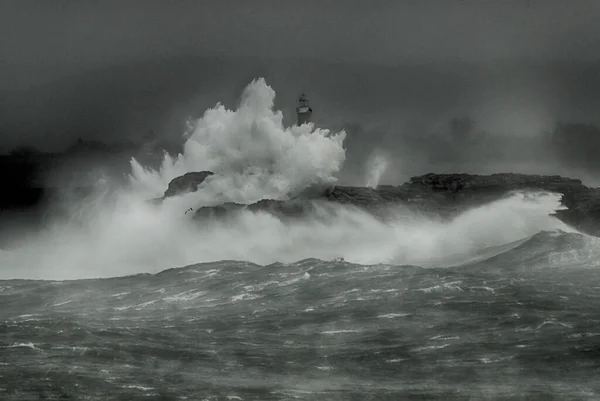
(442,195)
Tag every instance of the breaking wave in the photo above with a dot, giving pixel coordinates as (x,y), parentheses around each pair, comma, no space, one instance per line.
(251,152)
(254,156)
(547,249)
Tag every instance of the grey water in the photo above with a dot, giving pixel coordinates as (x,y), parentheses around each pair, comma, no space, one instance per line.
(521,323)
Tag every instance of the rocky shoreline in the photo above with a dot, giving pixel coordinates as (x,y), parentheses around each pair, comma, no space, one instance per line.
(442,195)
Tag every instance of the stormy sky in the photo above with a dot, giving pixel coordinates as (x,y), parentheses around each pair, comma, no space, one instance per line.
(115,70)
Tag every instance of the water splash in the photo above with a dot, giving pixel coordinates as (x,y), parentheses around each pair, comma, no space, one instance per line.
(252,153)
(253,156)
(377,165)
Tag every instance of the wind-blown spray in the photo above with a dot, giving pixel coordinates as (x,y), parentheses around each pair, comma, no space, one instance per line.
(377,165)
(253,156)
(251,152)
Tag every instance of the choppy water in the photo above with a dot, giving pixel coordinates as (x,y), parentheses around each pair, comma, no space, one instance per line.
(522,322)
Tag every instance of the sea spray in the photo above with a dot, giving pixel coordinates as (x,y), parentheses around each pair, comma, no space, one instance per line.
(377,165)
(252,153)
(253,156)
(134,238)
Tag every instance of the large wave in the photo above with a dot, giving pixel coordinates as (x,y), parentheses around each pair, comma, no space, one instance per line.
(252,153)
(254,156)
(555,250)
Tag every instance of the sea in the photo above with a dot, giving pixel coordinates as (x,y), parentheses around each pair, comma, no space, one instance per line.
(127,300)
(521,324)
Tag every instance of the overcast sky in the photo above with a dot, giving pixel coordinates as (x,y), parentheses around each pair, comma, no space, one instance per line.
(48,47)
(72,34)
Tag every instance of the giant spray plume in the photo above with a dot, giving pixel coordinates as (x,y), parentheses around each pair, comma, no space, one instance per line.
(377,164)
(251,152)
(253,156)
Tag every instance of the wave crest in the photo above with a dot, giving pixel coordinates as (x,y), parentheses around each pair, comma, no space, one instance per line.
(252,153)
(254,156)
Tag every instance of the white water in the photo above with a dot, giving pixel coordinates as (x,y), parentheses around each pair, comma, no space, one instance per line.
(377,165)
(254,156)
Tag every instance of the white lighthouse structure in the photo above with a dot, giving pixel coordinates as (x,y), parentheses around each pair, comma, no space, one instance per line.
(303,111)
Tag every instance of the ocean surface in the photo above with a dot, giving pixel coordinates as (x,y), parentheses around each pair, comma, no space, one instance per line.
(520,322)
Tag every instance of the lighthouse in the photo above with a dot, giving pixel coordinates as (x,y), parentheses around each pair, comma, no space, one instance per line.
(303,110)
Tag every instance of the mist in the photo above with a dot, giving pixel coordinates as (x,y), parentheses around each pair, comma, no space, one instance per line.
(115,72)
(409,111)
(391,99)
(114,230)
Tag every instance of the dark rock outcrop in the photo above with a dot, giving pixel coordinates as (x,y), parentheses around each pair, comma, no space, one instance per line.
(188,182)
(447,192)
(442,195)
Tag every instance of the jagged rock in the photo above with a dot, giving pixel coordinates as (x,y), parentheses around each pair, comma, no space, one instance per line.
(443,195)
(188,182)
(283,209)
(291,208)
(449,194)
(219,211)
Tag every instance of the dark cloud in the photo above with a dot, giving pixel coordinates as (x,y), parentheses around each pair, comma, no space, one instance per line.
(64,36)
(394,72)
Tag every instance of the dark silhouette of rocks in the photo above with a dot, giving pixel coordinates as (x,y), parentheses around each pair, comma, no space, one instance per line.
(188,182)
(26,172)
(443,195)
(19,172)
(440,195)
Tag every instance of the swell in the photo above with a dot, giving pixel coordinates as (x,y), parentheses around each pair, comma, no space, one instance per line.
(544,250)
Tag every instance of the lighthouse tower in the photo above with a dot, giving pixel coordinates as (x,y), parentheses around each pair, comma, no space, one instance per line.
(303,110)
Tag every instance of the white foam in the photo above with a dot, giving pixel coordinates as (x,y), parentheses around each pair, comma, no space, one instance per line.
(254,156)
(393,315)
(431,347)
(252,153)
(377,164)
(185,296)
(138,387)
(333,332)
(24,345)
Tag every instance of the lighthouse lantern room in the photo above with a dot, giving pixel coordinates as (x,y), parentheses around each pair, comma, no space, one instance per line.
(303,110)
